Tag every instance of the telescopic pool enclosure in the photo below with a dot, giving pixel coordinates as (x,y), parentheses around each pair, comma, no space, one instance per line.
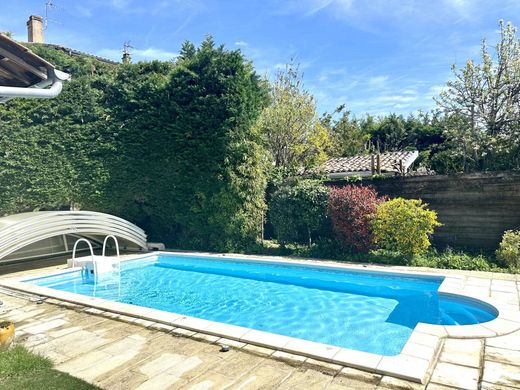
(50,233)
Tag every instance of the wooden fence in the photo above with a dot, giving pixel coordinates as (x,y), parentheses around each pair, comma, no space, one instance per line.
(475,209)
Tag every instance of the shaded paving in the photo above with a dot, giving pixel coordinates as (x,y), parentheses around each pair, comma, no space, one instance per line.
(119,352)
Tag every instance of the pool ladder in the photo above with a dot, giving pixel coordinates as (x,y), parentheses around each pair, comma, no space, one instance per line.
(97,263)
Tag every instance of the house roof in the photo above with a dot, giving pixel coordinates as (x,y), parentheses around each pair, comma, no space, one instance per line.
(74,52)
(23,74)
(20,67)
(363,163)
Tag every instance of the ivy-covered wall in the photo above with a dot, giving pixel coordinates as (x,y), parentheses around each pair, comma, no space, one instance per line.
(169,146)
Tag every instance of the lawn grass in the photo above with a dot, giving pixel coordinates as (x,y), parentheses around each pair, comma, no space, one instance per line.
(21,369)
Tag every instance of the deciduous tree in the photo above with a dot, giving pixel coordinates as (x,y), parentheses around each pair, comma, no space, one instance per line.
(483,100)
(291,128)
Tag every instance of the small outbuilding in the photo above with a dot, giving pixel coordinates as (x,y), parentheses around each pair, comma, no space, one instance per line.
(390,163)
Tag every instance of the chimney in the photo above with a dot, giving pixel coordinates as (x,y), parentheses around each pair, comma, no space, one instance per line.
(35,29)
(127,59)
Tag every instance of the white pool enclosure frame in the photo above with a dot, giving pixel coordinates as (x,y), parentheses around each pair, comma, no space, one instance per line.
(49,233)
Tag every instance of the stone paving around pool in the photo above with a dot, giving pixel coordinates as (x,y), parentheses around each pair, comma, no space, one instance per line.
(119,352)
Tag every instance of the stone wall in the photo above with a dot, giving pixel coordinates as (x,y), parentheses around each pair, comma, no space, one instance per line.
(474,208)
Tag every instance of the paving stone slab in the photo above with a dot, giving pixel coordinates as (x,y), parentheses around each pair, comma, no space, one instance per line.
(238,365)
(364,376)
(307,379)
(501,374)
(494,386)
(162,381)
(460,377)
(389,382)
(318,365)
(125,380)
(510,341)
(435,386)
(502,355)
(268,375)
(462,352)
(210,380)
(344,382)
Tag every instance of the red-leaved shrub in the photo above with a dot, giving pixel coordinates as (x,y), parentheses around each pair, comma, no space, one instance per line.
(350,208)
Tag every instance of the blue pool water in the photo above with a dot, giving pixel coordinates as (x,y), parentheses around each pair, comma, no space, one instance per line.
(367,311)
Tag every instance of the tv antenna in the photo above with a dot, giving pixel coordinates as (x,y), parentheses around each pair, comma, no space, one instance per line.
(49,6)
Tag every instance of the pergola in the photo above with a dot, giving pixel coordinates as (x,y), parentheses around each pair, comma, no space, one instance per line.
(23,74)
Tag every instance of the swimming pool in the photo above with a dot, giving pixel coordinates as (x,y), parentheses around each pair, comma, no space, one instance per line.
(373,312)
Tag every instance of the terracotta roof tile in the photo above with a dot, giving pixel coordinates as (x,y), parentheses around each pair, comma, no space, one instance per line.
(73,52)
(389,162)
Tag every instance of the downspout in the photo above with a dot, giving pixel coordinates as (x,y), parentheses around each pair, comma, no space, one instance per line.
(37,91)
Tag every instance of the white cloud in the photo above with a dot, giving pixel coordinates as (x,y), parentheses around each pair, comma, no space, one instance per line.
(148,54)
(435,90)
(393,99)
(409,91)
(378,81)
(241,43)
(154,54)
(111,54)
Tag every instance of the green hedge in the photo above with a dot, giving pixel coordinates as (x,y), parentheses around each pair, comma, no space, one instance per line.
(169,146)
(298,212)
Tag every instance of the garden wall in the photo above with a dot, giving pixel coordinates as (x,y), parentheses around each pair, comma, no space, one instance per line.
(474,208)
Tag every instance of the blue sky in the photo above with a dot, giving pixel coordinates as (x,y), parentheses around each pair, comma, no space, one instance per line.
(375,56)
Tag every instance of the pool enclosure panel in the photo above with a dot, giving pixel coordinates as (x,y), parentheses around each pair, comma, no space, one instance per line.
(48,233)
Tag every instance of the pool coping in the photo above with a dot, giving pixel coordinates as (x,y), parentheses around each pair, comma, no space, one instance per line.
(414,363)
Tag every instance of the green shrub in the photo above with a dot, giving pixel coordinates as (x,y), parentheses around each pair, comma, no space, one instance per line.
(350,208)
(450,259)
(299,212)
(404,225)
(508,252)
